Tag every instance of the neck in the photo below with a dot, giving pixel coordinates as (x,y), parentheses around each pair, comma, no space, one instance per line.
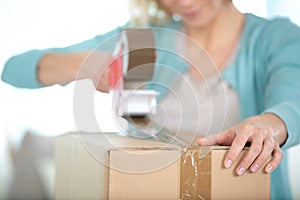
(219,39)
(223,26)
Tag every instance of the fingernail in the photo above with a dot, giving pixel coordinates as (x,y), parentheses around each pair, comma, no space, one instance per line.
(269,169)
(228,163)
(241,171)
(255,168)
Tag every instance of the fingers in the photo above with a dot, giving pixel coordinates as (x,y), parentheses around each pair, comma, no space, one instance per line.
(277,157)
(101,83)
(253,152)
(242,137)
(262,148)
(259,153)
(265,155)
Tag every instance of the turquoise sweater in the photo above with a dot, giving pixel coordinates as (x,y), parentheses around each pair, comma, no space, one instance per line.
(265,72)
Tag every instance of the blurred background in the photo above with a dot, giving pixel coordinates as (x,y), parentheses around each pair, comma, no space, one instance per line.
(27,117)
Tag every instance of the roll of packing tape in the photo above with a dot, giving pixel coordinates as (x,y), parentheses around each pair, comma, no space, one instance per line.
(138,47)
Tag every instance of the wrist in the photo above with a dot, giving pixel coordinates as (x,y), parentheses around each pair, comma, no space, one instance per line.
(278,127)
(91,65)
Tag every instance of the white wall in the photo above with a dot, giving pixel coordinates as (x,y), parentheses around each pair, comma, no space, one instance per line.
(37,24)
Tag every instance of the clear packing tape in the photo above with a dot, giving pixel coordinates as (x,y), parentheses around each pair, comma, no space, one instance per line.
(195,175)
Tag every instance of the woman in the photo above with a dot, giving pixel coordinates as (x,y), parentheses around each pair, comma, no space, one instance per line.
(257,59)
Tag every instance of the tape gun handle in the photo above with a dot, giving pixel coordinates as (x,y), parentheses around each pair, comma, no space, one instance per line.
(115,71)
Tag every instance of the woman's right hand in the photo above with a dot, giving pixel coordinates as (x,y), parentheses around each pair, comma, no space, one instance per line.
(96,68)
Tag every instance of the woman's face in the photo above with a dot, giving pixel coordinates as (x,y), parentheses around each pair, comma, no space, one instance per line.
(195,13)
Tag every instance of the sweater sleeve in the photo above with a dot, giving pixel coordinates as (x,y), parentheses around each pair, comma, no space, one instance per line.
(282,94)
(21,70)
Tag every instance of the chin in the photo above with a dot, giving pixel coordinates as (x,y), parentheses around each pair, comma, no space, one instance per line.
(200,21)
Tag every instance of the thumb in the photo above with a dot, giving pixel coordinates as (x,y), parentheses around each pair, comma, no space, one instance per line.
(209,140)
(224,138)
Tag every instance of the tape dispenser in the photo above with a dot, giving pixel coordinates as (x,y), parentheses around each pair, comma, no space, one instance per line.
(132,67)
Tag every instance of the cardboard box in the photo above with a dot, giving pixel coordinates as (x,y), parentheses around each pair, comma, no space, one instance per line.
(203,176)
(109,166)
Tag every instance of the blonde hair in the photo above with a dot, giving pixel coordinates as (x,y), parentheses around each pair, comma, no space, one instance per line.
(145,12)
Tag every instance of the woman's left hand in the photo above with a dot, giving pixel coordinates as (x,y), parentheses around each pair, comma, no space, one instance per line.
(265,132)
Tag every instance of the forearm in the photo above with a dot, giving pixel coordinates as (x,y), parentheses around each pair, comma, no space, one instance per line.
(65,68)
(60,68)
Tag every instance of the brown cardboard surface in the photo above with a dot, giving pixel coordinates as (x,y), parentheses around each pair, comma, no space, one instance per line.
(109,166)
(138,169)
(162,183)
(227,185)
